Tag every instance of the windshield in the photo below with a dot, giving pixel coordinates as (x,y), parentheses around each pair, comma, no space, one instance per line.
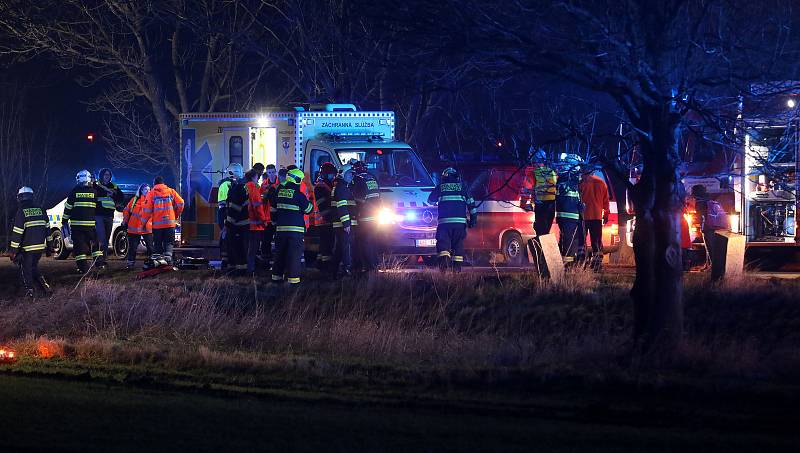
(391,167)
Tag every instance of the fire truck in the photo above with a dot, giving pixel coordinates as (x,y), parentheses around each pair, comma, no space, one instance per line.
(307,136)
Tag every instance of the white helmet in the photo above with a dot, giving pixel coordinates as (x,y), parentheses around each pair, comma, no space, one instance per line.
(235,170)
(83,177)
(25,189)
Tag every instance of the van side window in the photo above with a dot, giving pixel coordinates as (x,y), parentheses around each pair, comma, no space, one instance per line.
(236,150)
(319,157)
(479,187)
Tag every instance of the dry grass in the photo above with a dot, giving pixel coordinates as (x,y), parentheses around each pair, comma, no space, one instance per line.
(409,321)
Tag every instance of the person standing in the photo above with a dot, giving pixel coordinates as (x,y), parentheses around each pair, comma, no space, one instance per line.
(542,191)
(269,183)
(711,217)
(594,196)
(28,237)
(109,199)
(368,198)
(257,216)
(293,206)
(237,223)
(453,200)
(163,207)
(569,209)
(343,221)
(222,210)
(137,229)
(323,190)
(79,221)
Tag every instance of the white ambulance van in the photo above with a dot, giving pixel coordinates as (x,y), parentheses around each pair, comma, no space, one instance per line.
(307,138)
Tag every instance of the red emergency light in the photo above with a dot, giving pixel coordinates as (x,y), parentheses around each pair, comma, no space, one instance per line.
(90,137)
(379,152)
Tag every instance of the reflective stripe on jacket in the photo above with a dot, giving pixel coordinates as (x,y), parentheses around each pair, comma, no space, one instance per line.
(163,207)
(256,209)
(30,229)
(80,207)
(133,215)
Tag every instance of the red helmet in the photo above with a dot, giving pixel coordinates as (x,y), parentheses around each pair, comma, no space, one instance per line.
(328,169)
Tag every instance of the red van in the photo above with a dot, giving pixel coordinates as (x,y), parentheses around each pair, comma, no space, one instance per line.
(502,225)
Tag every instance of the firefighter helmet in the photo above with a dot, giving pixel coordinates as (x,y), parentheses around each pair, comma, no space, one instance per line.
(296,174)
(235,170)
(538,157)
(83,177)
(327,169)
(25,193)
(450,172)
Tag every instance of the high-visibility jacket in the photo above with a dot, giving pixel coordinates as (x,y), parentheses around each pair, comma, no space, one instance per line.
(108,197)
(133,215)
(344,203)
(163,206)
(238,205)
(222,193)
(80,207)
(30,229)
(594,195)
(368,197)
(256,210)
(545,180)
(269,208)
(568,197)
(323,193)
(309,193)
(454,201)
(293,206)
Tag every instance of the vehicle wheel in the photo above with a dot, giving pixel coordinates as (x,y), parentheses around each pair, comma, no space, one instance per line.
(57,246)
(120,243)
(514,249)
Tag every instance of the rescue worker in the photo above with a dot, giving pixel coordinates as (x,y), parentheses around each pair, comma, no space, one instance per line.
(308,191)
(594,196)
(237,223)
(368,198)
(541,188)
(323,190)
(137,229)
(222,209)
(343,221)
(290,228)
(712,217)
(78,221)
(28,238)
(454,201)
(257,215)
(568,210)
(109,199)
(163,207)
(269,183)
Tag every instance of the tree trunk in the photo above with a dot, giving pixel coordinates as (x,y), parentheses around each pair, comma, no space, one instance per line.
(658,200)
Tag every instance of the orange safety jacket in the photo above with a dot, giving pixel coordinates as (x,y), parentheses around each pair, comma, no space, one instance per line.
(133,215)
(164,206)
(269,210)
(256,208)
(308,191)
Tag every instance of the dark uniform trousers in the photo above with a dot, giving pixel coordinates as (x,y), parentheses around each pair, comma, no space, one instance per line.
(267,240)
(544,213)
(450,238)
(84,247)
(288,254)
(571,239)
(133,245)
(29,268)
(103,225)
(163,242)
(237,239)
(326,241)
(342,251)
(367,245)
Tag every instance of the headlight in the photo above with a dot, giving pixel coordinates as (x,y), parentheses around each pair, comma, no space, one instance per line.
(411,216)
(386,216)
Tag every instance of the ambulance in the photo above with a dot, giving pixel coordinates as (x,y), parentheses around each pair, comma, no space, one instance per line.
(307,136)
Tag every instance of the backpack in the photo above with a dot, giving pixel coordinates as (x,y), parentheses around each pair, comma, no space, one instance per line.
(716,217)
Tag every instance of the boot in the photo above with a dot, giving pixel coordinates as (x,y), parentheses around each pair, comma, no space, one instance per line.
(456,266)
(44,285)
(444,263)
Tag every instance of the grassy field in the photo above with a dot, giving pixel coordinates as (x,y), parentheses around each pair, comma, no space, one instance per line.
(467,362)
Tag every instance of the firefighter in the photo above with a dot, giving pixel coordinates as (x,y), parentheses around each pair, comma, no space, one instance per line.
(453,200)
(257,215)
(343,221)
(323,193)
(137,229)
(368,198)
(594,196)
(28,238)
(163,207)
(290,228)
(109,199)
(222,208)
(79,221)
(269,183)
(543,194)
(237,222)
(569,209)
